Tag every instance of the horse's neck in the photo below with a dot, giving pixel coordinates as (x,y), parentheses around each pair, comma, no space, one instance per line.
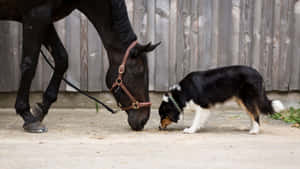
(100,14)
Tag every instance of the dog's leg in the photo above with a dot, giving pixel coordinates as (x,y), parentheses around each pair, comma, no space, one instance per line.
(255,128)
(254,123)
(252,111)
(201,117)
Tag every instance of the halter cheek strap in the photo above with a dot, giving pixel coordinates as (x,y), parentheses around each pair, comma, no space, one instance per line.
(119,83)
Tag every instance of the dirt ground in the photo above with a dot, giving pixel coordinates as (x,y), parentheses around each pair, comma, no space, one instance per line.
(85,139)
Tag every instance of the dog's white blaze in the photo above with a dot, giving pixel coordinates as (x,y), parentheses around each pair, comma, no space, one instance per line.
(191,106)
(181,116)
(165,98)
(201,117)
(277,106)
(255,128)
(175,87)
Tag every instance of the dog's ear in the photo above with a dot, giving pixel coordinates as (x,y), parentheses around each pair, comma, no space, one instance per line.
(165,98)
(174,115)
(175,87)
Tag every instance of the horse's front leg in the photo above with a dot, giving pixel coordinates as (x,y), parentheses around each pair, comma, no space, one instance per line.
(35,24)
(60,56)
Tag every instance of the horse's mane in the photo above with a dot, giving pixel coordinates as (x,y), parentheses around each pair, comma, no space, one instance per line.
(121,23)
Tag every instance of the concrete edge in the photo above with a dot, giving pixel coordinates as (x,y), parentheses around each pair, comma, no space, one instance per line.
(75,100)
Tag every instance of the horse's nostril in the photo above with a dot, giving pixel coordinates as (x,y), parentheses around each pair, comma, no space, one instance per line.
(137,124)
(137,119)
(137,127)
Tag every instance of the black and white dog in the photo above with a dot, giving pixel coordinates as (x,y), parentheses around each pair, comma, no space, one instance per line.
(202,90)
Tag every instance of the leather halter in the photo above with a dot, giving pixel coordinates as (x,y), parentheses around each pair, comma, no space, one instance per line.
(119,83)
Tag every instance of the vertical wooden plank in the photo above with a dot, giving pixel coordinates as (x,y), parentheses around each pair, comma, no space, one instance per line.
(73,46)
(276,45)
(194,31)
(236,13)
(215,33)
(95,57)
(246,31)
(9,61)
(18,52)
(286,20)
(265,67)
(173,41)
(140,20)
(295,68)
(187,36)
(180,45)
(151,25)
(257,22)
(16,30)
(130,9)
(162,34)
(16,47)
(205,34)
(37,82)
(105,64)
(225,32)
(83,52)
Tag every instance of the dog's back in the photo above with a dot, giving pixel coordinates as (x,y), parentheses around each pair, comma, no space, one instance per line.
(218,85)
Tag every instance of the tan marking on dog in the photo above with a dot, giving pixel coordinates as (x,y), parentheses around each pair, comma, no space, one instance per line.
(240,102)
(165,122)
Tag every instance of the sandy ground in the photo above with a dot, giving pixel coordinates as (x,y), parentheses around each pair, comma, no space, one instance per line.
(84,139)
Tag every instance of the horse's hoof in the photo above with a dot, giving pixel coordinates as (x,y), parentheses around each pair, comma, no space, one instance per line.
(35,127)
(38,113)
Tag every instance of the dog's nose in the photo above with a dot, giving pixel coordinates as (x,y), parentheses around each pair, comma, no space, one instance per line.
(159,128)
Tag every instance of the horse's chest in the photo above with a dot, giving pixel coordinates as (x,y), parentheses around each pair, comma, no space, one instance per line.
(8,10)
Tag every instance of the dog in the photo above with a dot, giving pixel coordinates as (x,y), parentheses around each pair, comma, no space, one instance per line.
(201,90)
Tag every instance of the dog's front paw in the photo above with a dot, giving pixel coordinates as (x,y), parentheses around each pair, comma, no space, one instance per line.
(254,132)
(189,131)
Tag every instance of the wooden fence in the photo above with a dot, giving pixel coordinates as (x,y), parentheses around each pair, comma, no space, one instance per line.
(195,35)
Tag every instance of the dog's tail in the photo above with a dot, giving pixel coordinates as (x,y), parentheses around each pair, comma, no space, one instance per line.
(267,106)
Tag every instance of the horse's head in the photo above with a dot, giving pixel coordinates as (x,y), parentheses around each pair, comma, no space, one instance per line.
(135,79)
(110,18)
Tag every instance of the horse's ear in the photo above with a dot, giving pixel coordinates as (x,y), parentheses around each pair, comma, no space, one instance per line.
(150,47)
(143,49)
(147,48)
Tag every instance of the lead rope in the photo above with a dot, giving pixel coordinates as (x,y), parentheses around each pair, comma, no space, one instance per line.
(79,90)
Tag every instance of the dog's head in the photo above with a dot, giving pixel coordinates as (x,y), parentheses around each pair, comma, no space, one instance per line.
(168,112)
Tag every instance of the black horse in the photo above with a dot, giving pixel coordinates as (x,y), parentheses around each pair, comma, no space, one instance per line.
(110,18)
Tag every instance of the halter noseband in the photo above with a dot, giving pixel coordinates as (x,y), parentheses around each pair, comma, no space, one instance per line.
(119,83)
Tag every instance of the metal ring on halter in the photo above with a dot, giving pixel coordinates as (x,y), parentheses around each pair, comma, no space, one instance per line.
(136,105)
(119,81)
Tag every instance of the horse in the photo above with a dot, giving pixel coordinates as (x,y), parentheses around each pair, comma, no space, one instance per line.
(127,76)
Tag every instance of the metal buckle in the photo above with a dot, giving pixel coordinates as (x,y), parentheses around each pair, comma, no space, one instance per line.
(122,69)
(119,81)
(136,105)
